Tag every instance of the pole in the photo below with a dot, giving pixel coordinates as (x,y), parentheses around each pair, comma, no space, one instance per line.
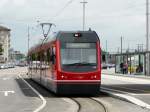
(84,2)
(28,38)
(28,44)
(147,25)
(121,45)
(147,35)
(121,59)
(106,53)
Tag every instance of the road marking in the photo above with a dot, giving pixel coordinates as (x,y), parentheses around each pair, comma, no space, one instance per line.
(39,95)
(114,90)
(127,79)
(139,94)
(124,96)
(138,90)
(7,92)
(6,78)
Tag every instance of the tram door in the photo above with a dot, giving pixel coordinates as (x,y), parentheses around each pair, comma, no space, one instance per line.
(53,61)
(53,68)
(43,68)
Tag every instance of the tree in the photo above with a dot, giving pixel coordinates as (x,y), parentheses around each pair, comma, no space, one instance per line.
(1,49)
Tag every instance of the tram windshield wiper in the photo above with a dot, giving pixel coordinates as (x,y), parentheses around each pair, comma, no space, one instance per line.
(81,64)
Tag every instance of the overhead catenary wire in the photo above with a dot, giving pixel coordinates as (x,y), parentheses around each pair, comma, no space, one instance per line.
(62,9)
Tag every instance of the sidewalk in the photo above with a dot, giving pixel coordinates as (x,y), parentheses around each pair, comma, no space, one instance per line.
(111,71)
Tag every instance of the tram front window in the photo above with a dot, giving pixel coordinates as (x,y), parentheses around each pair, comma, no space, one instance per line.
(79,57)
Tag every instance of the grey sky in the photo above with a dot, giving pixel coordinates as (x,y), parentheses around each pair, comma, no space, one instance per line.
(109,18)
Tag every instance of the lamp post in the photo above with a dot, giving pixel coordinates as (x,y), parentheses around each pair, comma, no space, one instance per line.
(147,38)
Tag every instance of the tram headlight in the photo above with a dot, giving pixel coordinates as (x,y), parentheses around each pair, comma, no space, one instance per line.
(63,77)
(93,77)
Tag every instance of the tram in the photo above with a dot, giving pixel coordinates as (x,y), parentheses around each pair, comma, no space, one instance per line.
(70,63)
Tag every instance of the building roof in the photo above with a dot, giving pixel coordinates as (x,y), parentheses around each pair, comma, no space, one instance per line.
(2,28)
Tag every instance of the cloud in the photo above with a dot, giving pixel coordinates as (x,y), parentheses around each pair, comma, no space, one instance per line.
(19,2)
(110,18)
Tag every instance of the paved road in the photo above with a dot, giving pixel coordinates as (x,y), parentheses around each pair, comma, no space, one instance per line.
(136,87)
(12,97)
(15,96)
(112,104)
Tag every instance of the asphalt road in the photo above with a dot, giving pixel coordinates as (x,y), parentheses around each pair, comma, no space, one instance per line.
(12,98)
(135,87)
(17,96)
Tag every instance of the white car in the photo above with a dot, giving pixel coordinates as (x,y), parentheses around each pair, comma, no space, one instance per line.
(3,66)
(10,65)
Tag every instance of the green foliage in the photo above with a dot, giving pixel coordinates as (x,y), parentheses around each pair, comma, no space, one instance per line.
(1,50)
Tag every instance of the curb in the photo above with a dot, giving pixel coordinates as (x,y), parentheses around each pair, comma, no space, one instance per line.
(131,76)
(125,97)
(39,95)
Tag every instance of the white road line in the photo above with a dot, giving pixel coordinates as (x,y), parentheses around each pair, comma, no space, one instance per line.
(118,91)
(124,96)
(6,92)
(41,97)
(145,94)
(131,89)
(6,78)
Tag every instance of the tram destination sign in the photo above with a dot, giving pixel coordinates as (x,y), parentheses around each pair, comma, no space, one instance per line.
(78,45)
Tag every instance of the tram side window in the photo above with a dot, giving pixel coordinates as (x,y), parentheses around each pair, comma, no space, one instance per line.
(33,59)
(38,61)
(48,56)
(30,61)
(53,55)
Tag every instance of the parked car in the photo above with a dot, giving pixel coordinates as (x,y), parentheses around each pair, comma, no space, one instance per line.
(110,65)
(22,64)
(10,65)
(104,66)
(3,66)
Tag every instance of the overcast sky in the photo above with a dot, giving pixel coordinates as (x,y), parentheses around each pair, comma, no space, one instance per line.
(111,19)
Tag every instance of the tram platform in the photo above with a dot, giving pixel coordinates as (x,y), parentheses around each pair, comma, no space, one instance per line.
(111,71)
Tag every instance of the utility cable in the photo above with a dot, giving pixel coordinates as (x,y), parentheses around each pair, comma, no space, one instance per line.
(62,9)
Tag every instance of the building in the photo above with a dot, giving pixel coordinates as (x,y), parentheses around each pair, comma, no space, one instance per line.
(15,56)
(4,44)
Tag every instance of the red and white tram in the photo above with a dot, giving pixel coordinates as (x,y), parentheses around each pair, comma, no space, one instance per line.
(68,64)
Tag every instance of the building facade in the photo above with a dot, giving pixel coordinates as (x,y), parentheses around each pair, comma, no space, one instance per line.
(15,56)
(4,44)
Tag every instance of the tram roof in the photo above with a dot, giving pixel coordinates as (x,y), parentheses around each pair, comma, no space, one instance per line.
(61,34)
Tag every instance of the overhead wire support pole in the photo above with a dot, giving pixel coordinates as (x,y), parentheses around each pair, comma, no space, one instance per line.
(106,53)
(28,43)
(84,3)
(147,25)
(28,38)
(121,44)
(121,50)
(147,37)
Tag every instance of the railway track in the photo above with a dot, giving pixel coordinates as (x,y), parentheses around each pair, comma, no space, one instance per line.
(84,104)
(89,105)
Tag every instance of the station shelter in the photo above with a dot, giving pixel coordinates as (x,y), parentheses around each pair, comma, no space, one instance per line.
(132,63)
